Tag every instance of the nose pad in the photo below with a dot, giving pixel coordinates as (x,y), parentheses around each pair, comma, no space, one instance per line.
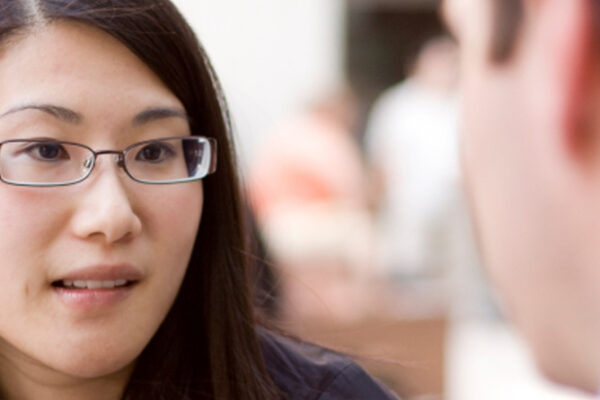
(88,163)
(119,160)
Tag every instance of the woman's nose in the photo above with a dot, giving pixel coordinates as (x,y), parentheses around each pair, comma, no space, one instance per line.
(104,209)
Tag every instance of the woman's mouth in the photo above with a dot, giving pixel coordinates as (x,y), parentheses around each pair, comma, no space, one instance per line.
(96,288)
(89,296)
(83,284)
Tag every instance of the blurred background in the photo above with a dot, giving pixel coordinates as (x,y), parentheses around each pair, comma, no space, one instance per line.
(345,117)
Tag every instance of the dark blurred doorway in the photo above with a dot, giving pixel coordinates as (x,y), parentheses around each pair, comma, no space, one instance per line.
(383,37)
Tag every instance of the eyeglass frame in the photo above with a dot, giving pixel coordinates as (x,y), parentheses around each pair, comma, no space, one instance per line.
(212,167)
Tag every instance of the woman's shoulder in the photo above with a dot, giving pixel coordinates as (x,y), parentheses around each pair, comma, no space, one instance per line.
(309,372)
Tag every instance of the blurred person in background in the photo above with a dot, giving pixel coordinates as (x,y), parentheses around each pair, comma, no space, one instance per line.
(531,152)
(411,142)
(307,187)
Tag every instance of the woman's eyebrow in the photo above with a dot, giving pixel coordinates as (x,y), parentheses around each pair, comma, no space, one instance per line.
(70,116)
(62,113)
(153,114)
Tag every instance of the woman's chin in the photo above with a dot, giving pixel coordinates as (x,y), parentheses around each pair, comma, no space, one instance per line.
(92,365)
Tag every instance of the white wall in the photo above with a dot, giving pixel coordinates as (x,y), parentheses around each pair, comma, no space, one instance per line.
(272,56)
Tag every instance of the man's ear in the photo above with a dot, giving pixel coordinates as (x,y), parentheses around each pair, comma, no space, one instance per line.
(568,31)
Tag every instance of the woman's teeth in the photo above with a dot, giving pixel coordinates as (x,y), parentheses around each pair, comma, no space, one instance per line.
(94,284)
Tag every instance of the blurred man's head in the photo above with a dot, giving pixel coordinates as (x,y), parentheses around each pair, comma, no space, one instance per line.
(436,65)
(531,151)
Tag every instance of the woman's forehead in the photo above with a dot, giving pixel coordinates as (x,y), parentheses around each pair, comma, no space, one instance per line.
(80,67)
(74,48)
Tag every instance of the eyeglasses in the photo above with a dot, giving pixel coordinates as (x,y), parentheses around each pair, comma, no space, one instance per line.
(50,162)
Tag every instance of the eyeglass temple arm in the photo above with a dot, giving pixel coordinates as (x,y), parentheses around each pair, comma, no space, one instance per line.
(213,155)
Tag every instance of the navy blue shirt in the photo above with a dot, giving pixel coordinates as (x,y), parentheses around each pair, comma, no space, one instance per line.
(308,372)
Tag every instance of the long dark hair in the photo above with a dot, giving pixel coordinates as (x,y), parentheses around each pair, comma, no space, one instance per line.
(207,347)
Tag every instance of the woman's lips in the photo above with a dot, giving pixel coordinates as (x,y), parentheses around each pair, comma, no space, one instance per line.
(96,287)
(102,272)
(89,299)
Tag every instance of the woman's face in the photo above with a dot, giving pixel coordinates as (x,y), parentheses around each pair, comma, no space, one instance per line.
(76,83)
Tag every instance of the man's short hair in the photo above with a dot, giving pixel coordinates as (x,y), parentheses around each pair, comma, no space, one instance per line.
(508,15)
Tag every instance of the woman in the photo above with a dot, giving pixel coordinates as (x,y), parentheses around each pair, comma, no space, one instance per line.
(123,276)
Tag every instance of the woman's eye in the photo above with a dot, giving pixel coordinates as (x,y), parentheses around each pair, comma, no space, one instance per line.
(154,152)
(47,151)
